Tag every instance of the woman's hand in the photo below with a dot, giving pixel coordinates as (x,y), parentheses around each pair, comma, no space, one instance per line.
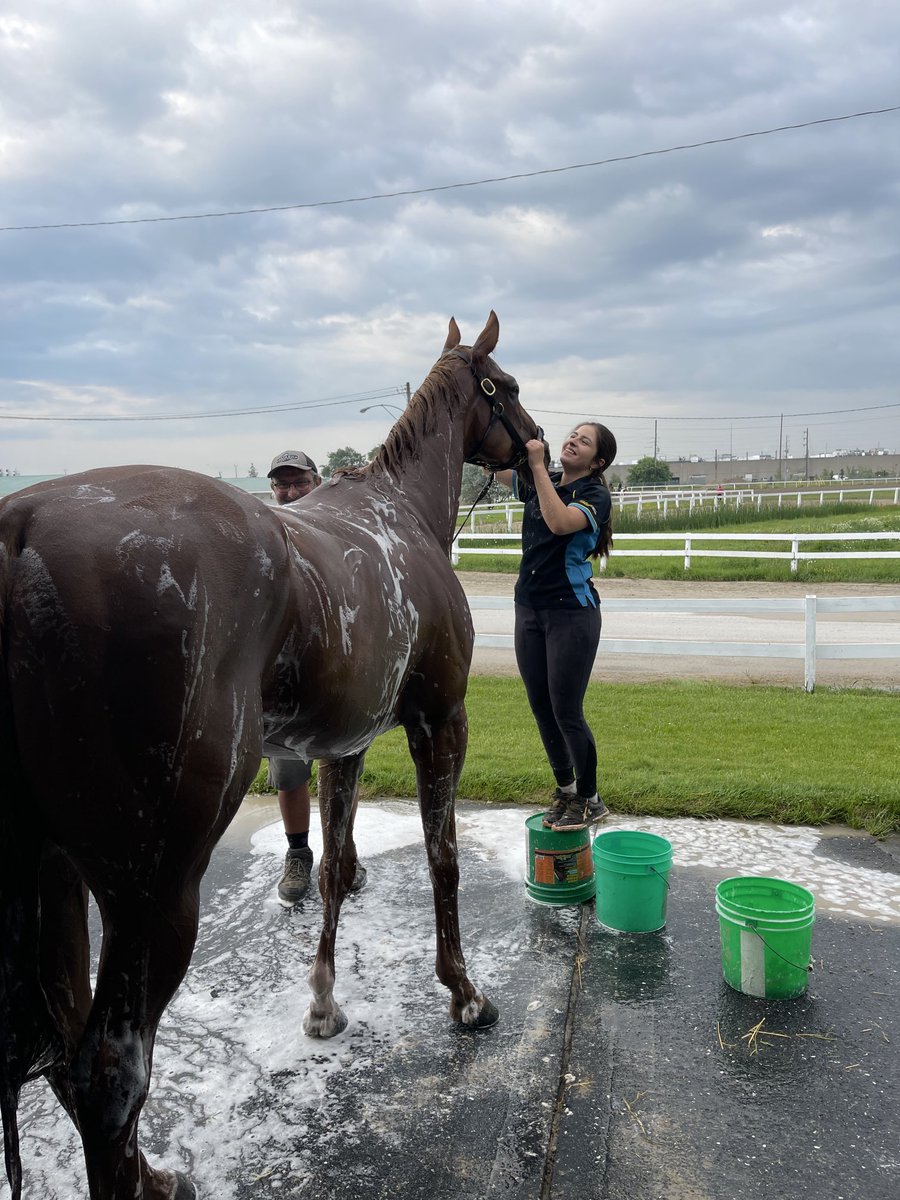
(536,453)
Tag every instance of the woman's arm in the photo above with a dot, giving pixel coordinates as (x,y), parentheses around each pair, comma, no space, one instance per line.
(560,518)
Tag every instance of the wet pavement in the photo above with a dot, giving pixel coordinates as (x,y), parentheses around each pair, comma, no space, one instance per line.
(622,1067)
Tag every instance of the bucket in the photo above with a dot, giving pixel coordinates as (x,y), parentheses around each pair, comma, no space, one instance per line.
(559,869)
(766,930)
(632,871)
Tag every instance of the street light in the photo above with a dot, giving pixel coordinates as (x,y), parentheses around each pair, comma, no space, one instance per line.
(391,409)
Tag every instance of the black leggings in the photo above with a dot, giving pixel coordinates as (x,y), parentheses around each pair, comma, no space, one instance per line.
(555,651)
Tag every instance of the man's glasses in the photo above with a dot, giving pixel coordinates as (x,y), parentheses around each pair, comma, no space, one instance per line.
(303,485)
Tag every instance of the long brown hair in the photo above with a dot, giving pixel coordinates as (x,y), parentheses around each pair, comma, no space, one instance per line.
(607,450)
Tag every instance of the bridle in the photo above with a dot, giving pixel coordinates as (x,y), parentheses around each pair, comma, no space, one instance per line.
(488,392)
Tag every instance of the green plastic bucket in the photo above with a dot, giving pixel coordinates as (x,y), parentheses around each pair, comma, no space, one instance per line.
(559,869)
(766,930)
(632,872)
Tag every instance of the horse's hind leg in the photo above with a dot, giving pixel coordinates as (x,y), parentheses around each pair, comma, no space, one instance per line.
(148,938)
(65,975)
(438,752)
(337,784)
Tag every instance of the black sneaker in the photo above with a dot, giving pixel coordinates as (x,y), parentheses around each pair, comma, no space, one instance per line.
(557,807)
(579,814)
(295,881)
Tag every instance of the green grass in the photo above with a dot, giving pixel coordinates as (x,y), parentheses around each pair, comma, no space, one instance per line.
(687,749)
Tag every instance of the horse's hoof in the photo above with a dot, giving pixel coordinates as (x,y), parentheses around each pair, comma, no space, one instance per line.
(185,1189)
(477,1014)
(324,1025)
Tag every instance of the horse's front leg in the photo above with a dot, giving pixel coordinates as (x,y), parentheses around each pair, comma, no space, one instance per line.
(337,787)
(438,751)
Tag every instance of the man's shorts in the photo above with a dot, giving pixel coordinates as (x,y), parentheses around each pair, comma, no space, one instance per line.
(288,773)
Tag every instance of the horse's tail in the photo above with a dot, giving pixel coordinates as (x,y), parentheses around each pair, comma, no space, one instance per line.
(29,1038)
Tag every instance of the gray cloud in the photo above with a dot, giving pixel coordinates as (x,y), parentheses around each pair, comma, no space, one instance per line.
(758,276)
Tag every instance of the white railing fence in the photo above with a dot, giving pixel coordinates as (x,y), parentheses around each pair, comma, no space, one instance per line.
(689,549)
(810,649)
(510,511)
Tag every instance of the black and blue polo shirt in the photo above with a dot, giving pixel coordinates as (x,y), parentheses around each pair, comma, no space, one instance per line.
(556,569)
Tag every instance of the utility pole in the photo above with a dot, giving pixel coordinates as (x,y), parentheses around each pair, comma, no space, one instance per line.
(407,394)
(806,445)
(780,431)
(654,438)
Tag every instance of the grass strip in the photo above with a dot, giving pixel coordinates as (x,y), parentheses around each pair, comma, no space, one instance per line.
(686,749)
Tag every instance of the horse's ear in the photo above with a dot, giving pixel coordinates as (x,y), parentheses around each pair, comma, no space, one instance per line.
(487,339)
(453,336)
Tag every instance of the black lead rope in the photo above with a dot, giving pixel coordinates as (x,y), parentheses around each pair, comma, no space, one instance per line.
(481,495)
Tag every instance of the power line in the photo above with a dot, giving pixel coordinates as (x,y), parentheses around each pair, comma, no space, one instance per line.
(229,412)
(818,412)
(448,187)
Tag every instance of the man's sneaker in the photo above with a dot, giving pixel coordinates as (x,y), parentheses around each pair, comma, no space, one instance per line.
(295,880)
(579,813)
(359,879)
(557,807)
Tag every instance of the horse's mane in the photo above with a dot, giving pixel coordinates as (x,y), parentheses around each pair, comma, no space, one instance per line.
(436,394)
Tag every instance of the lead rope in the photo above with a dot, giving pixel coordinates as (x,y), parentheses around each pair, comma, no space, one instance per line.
(484,491)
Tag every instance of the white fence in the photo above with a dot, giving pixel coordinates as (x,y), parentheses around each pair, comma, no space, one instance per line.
(810,649)
(510,511)
(689,549)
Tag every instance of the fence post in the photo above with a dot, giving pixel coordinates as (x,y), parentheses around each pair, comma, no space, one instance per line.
(509,527)
(799,499)
(454,554)
(809,679)
(795,546)
(687,552)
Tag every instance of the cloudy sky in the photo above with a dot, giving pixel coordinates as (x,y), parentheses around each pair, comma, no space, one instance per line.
(694,296)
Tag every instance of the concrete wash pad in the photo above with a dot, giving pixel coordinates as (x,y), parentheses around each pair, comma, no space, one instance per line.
(622,1067)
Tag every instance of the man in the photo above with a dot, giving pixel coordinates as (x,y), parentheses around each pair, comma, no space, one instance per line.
(294,474)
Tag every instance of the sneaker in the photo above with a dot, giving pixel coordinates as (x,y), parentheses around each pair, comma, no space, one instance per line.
(295,880)
(579,813)
(359,879)
(557,807)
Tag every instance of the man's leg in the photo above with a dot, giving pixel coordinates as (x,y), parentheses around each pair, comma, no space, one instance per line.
(290,777)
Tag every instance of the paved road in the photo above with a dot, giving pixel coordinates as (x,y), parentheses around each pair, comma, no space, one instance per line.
(749,627)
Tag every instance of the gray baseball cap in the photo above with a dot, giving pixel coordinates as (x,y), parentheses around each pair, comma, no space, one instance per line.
(292,458)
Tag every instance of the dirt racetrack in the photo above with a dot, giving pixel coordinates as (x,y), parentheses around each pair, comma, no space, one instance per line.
(632,668)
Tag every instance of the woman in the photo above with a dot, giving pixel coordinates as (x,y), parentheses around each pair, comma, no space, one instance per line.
(567,522)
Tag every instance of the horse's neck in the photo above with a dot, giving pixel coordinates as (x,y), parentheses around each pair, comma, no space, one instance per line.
(430,481)
(426,471)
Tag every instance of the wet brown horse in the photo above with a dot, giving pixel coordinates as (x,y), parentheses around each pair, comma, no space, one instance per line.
(159,629)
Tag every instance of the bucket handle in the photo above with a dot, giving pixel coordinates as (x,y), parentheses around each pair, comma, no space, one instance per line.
(751,925)
(650,867)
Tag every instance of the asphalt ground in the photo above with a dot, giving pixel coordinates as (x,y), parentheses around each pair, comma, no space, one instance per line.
(623,1067)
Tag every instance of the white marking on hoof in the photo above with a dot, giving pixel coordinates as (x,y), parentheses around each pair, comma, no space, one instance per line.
(470,1013)
(324,1025)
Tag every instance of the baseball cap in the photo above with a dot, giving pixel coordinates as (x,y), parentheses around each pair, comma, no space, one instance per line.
(292,458)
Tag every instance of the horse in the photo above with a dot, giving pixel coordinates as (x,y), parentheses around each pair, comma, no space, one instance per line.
(159,632)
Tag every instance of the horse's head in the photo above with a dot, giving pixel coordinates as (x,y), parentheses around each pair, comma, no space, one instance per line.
(497,426)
